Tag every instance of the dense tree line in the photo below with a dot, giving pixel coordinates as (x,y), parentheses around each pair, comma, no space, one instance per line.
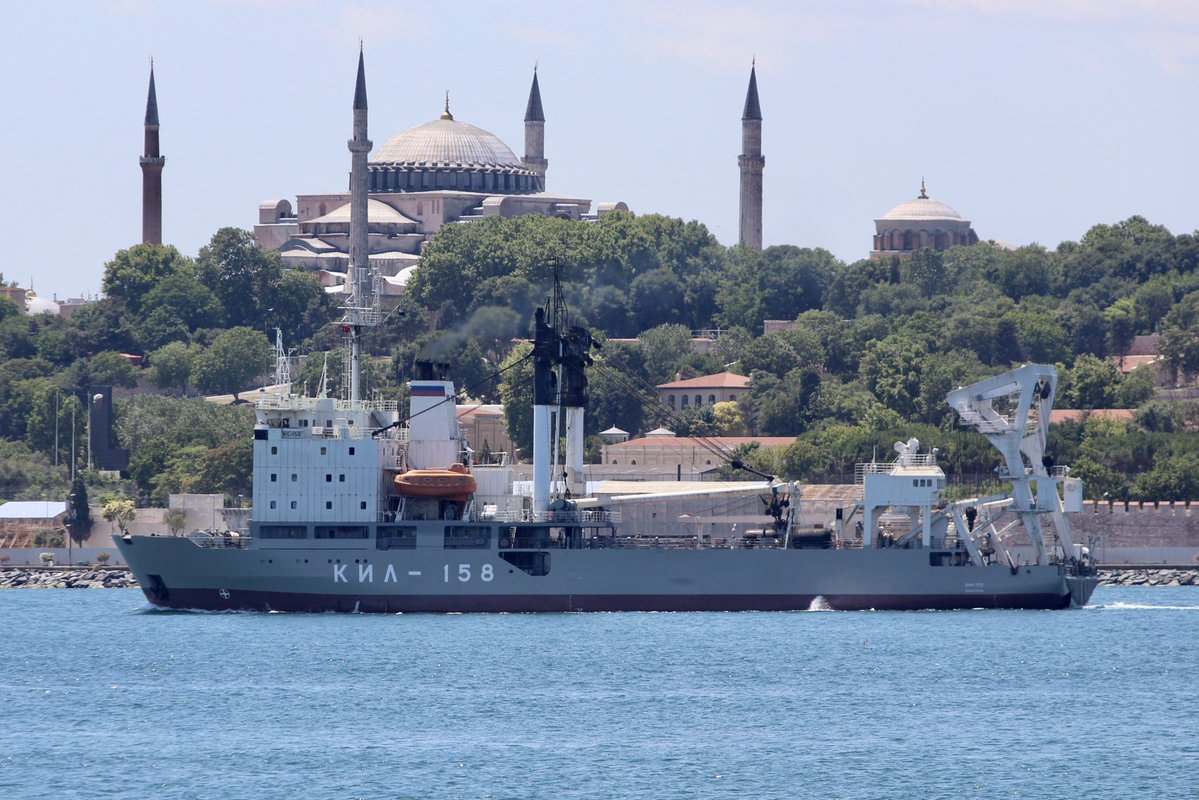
(872,349)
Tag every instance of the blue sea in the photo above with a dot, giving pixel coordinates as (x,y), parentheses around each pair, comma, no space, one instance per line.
(102,698)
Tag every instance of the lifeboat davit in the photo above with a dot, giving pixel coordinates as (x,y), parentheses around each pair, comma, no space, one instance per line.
(455,483)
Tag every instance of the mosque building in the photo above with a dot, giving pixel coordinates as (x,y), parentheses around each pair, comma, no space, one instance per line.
(918,223)
(434,174)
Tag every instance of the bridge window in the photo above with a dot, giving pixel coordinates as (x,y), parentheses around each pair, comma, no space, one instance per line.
(341,532)
(467,537)
(395,537)
(282,532)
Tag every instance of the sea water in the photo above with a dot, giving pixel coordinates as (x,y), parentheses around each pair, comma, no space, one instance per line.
(101,697)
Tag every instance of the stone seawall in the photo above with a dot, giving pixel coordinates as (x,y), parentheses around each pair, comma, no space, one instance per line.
(64,578)
(1157,576)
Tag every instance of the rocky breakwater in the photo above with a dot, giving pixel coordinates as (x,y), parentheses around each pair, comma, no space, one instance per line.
(66,578)
(1164,576)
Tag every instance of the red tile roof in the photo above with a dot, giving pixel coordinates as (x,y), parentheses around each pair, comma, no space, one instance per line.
(721,380)
(1075,414)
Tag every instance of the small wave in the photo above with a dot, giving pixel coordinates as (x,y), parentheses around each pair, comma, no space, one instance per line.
(1120,606)
(819,604)
(153,609)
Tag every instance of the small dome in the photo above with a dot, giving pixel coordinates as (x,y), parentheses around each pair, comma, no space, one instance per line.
(923,207)
(39,305)
(447,141)
(377,212)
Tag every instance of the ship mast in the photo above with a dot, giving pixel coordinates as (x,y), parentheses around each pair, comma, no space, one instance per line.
(361,309)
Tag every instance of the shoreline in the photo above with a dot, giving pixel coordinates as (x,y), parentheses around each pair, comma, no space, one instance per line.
(67,578)
(119,577)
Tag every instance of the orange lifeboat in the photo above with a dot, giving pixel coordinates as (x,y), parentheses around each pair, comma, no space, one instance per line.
(454,483)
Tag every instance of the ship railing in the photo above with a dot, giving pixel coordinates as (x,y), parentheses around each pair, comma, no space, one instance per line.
(218,540)
(299,403)
(581,516)
(860,471)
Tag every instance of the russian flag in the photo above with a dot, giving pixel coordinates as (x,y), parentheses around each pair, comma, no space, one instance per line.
(428,390)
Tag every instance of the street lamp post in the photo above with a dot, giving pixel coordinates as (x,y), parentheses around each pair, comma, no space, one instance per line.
(96,398)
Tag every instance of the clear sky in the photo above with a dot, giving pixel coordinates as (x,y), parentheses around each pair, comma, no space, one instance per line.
(1033,118)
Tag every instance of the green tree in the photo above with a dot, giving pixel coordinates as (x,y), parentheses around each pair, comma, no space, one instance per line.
(175,308)
(1122,325)
(171,365)
(781,282)
(133,273)
(516,391)
(1091,383)
(112,369)
(175,519)
(618,390)
(300,306)
(1179,342)
(101,326)
(1172,478)
(1136,387)
(244,276)
(662,348)
(119,512)
(729,420)
(230,365)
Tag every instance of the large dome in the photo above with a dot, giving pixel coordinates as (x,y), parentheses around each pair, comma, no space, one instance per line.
(448,155)
(447,142)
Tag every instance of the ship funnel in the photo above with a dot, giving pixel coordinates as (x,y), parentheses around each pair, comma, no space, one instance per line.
(432,371)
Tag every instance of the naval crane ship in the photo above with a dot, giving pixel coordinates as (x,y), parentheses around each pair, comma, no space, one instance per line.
(358,509)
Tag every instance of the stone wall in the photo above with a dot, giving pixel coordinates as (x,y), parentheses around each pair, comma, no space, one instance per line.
(1134,534)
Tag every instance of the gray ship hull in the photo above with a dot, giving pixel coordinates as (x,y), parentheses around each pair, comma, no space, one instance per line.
(175,573)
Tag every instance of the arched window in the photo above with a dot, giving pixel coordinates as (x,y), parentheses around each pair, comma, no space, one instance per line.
(699,399)
(732,398)
(672,401)
(711,399)
(685,401)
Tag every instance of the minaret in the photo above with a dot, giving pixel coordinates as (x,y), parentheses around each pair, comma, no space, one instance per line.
(535,132)
(751,161)
(360,311)
(152,163)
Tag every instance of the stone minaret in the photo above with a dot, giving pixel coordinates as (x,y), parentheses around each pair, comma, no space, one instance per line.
(360,309)
(152,163)
(535,132)
(360,148)
(751,161)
